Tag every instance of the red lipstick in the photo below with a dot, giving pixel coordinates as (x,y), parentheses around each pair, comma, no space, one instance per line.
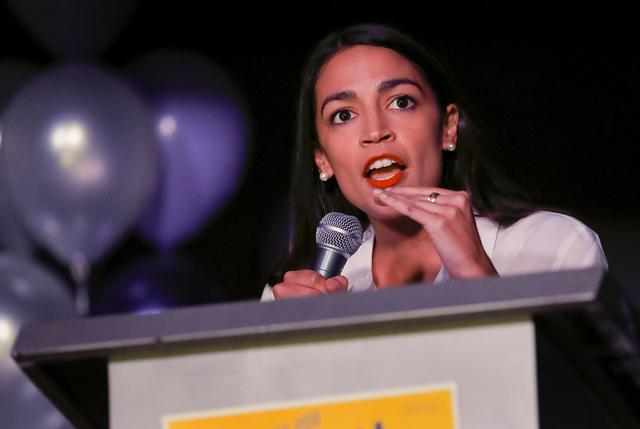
(387,181)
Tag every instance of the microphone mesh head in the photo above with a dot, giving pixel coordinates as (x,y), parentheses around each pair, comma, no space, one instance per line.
(339,232)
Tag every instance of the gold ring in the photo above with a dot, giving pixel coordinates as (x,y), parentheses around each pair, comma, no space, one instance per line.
(432,197)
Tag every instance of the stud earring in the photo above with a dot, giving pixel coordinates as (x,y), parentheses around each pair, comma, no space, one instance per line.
(324,176)
(451,147)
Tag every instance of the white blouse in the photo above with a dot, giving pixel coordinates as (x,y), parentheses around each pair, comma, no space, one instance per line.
(542,241)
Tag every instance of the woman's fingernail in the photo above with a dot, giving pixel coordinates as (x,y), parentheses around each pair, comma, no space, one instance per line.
(377,191)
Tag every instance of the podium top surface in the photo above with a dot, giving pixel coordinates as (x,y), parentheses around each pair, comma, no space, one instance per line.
(105,336)
(68,359)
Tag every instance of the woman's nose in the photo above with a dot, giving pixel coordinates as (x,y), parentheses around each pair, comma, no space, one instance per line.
(376,130)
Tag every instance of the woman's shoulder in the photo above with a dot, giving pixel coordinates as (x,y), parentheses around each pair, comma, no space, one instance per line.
(548,226)
(546,241)
(558,224)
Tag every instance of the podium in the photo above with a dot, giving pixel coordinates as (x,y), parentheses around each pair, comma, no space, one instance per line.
(484,353)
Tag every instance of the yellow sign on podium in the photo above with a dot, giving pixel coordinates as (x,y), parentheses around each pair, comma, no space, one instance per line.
(432,407)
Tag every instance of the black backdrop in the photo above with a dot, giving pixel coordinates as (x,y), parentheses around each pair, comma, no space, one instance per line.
(558,90)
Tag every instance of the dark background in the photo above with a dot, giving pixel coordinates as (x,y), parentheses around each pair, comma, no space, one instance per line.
(558,90)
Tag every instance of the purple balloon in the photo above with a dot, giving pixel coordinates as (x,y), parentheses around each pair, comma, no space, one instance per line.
(162,282)
(202,132)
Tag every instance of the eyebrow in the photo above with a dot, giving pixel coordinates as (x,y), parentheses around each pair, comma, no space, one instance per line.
(342,95)
(384,85)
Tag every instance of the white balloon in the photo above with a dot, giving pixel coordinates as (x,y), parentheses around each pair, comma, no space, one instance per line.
(78,159)
(28,293)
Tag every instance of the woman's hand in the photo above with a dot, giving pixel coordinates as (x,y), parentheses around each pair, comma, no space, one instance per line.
(450,223)
(306,283)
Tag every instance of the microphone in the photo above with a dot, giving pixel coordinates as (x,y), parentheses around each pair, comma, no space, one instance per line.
(338,236)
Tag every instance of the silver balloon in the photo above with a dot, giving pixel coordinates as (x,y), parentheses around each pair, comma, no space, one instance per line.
(13,234)
(28,293)
(78,159)
(13,74)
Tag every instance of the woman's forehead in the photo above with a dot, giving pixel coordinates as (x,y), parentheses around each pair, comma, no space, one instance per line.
(364,67)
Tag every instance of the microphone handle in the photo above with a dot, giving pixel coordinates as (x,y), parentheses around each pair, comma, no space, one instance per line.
(329,263)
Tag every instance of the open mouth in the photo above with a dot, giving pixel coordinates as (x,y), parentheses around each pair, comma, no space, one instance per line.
(384,170)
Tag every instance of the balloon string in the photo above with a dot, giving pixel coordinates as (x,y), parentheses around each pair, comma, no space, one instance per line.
(80,271)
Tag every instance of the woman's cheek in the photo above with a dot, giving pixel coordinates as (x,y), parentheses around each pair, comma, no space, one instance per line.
(350,188)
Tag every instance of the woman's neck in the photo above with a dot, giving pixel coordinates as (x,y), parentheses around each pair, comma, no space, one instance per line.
(393,232)
(403,253)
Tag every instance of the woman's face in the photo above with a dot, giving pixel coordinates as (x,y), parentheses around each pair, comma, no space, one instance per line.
(378,125)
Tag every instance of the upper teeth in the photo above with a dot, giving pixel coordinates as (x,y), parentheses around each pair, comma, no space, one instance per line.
(384,162)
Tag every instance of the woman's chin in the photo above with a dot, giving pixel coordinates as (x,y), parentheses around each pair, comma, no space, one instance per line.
(382,212)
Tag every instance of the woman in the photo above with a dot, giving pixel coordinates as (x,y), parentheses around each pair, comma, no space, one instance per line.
(382,135)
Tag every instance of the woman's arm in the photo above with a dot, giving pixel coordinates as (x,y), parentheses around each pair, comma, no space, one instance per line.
(451,225)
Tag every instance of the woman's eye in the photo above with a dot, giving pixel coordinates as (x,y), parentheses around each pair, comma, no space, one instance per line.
(402,102)
(341,116)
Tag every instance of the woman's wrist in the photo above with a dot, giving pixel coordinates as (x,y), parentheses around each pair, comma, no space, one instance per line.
(483,268)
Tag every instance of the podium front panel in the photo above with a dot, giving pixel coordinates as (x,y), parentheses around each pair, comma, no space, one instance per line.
(489,368)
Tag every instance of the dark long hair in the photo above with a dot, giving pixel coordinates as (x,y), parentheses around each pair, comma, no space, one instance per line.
(470,167)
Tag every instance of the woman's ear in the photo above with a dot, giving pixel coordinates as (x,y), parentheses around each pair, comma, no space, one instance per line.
(450,128)
(322,162)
